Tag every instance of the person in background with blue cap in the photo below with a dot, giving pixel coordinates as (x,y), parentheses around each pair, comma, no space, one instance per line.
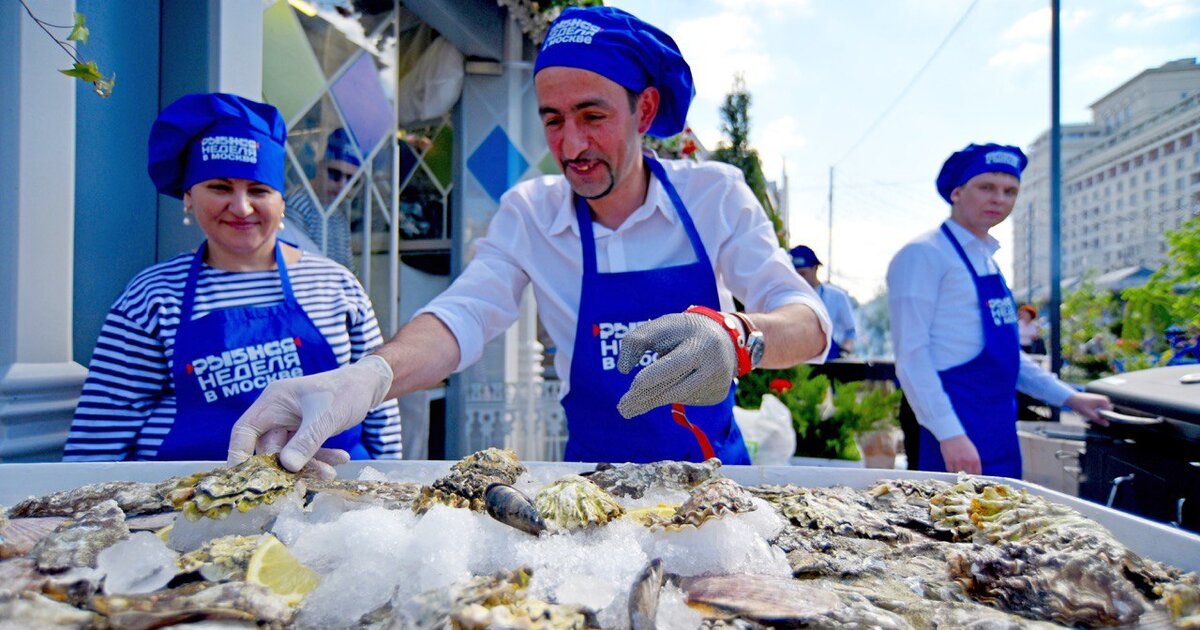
(318,234)
(630,259)
(954,328)
(193,340)
(836,301)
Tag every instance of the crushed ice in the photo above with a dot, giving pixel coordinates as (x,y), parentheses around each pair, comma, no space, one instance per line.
(372,557)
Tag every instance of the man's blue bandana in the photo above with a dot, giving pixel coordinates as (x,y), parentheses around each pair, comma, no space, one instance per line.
(628,52)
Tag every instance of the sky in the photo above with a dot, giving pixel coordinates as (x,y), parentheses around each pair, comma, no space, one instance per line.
(822,74)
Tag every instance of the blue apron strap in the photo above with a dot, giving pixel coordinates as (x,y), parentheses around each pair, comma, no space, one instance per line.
(688,225)
(284,280)
(958,248)
(583,216)
(189,288)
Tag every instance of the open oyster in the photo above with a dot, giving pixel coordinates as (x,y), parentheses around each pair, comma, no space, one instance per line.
(221,559)
(840,510)
(996,512)
(573,503)
(214,494)
(469,479)
(633,480)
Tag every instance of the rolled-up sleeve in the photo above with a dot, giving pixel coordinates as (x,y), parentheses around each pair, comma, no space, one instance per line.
(485,299)
(756,269)
(912,280)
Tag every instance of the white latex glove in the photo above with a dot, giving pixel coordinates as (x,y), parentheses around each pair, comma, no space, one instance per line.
(295,416)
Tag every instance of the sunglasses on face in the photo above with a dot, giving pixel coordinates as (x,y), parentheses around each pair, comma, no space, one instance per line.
(334,175)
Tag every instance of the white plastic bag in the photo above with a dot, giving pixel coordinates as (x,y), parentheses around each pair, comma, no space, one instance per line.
(767,431)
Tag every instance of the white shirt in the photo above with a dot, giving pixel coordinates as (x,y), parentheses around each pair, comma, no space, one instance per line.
(841,312)
(936,325)
(534,237)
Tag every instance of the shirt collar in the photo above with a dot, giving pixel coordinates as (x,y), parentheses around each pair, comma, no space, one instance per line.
(657,202)
(966,238)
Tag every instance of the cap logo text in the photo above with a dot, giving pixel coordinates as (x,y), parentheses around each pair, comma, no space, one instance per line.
(229,148)
(571,32)
(1003,157)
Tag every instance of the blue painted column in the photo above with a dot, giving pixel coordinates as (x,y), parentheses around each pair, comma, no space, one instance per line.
(39,383)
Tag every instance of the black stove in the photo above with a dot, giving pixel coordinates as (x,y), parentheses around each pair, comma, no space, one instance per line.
(1147,461)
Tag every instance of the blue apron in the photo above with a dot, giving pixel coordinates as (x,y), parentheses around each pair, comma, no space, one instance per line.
(612,304)
(225,359)
(983,391)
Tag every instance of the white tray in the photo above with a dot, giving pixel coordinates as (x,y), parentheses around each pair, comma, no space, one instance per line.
(1147,538)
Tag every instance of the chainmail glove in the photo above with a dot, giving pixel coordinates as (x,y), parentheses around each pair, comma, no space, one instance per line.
(304,412)
(696,363)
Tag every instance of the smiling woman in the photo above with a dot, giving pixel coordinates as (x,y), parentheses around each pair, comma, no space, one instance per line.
(194,340)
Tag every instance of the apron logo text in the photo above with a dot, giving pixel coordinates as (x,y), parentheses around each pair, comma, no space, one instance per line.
(246,369)
(610,334)
(1003,311)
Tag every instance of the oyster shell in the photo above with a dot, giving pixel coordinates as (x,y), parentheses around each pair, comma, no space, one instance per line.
(496,601)
(573,503)
(391,495)
(991,512)
(840,510)
(633,480)
(133,497)
(469,479)
(198,601)
(711,499)
(1070,588)
(77,542)
(1183,602)
(19,535)
(32,610)
(221,559)
(764,599)
(214,494)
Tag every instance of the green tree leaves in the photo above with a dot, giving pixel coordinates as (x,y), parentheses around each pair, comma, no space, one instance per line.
(83,70)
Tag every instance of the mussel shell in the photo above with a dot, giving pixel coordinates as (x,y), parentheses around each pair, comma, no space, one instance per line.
(643,597)
(511,507)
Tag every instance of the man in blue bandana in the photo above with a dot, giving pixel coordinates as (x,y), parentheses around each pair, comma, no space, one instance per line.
(954,328)
(635,264)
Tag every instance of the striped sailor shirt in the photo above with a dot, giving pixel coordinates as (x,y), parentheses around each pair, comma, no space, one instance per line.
(128,401)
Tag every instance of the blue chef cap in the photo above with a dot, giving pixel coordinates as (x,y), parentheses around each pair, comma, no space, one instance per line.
(976,159)
(207,136)
(340,147)
(628,52)
(803,256)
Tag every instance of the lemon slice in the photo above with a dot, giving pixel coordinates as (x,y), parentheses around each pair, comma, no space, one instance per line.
(273,566)
(164,534)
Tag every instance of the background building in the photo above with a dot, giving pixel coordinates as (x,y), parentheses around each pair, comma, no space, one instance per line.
(1128,176)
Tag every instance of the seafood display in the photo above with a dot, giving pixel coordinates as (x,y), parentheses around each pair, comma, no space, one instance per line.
(494,544)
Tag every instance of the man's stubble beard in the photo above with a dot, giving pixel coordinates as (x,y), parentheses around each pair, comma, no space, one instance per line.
(612,182)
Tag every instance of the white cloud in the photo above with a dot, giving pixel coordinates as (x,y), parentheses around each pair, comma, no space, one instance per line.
(777,7)
(1119,64)
(775,140)
(1020,55)
(720,46)
(1036,24)
(1155,12)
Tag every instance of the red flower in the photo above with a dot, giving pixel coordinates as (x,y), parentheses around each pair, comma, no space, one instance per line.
(780,385)
(689,147)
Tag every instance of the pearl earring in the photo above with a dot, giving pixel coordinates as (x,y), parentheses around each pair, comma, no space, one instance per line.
(187,218)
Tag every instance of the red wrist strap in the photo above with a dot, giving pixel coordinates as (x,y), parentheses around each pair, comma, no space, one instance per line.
(730,325)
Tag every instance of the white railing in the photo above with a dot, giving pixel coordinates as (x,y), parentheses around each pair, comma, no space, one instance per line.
(525,417)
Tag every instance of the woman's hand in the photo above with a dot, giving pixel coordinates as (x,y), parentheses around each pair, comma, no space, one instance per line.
(295,416)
